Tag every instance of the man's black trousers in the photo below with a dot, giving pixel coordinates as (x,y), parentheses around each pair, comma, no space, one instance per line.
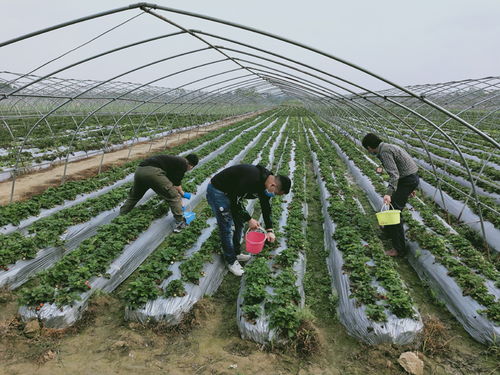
(398,200)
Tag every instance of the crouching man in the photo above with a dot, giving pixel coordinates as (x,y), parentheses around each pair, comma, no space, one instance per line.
(225,195)
(163,174)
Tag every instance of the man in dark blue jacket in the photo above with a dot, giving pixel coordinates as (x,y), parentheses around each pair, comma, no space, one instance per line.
(225,195)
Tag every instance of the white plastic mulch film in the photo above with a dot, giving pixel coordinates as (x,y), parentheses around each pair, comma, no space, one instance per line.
(90,98)
(260,329)
(132,256)
(464,308)
(467,216)
(457,208)
(171,310)
(20,272)
(451,131)
(395,330)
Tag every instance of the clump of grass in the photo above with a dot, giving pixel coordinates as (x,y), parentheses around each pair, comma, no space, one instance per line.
(435,337)
(307,341)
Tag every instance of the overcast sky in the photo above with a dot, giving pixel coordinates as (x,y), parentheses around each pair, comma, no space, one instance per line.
(408,42)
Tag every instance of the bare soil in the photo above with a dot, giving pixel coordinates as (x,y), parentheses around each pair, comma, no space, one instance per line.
(208,342)
(36,182)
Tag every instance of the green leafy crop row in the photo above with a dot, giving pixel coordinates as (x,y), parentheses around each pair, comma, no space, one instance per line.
(454,252)
(47,231)
(143,285)
(96,263)
(357,239)
(69,277)
(15,212)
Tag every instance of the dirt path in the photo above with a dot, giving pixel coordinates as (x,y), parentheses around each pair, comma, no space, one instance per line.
(105,344)
(208,343)
(36,182)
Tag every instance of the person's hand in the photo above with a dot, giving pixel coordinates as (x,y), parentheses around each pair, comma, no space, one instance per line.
(379,170)
(270,236)
(179,190)
(387,199)
(413,194)
(253,224)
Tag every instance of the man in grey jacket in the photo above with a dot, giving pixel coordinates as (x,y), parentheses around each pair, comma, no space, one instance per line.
(403,180)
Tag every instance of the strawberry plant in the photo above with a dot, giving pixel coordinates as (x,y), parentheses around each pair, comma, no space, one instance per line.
(175,289)
(13,213)
(356,238)
(174,247)
(68,277)
(276,272)
(47,231)
(464,263)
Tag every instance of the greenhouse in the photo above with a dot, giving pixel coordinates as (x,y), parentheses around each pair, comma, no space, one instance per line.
(77,120)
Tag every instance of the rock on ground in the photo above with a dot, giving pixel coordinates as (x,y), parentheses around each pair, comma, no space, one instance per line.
(411,363)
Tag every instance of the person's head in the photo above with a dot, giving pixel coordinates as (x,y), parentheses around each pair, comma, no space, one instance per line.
(371,142)
(277,185)
(192,160)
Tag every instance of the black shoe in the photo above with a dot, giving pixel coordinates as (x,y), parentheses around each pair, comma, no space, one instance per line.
(243,257)
(180,226)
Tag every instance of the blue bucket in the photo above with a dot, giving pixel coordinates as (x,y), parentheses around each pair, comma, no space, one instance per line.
(189,216)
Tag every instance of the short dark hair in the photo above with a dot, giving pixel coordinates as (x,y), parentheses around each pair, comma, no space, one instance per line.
(284,183)
(371,140)
(192,159)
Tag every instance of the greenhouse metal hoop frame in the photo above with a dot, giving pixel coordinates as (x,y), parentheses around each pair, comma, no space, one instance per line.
(268,79)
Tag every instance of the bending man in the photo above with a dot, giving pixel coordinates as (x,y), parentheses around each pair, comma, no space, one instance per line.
(403,180)
(225,195)
(163,174)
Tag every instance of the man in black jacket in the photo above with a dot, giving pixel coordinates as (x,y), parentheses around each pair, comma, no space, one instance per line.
(225,195)
(163,174)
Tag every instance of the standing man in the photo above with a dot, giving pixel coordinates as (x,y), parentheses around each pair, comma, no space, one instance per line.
(403,180)
(225,195)
(163,174)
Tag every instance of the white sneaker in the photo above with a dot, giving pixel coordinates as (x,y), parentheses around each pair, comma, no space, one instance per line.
(243,257)
(236,268)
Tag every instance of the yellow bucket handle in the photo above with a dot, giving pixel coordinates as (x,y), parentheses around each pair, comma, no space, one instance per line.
(389,207)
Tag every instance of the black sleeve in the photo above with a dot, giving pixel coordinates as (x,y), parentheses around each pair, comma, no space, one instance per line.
(177,170)
(265,205)
(177,177)
(237,209)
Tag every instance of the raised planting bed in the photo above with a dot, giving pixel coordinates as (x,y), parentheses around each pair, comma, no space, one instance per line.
(187,271)
(452,191)
(271,293)
(460,276)
(53,199)
(374,304)
(55,292)
(40,245)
